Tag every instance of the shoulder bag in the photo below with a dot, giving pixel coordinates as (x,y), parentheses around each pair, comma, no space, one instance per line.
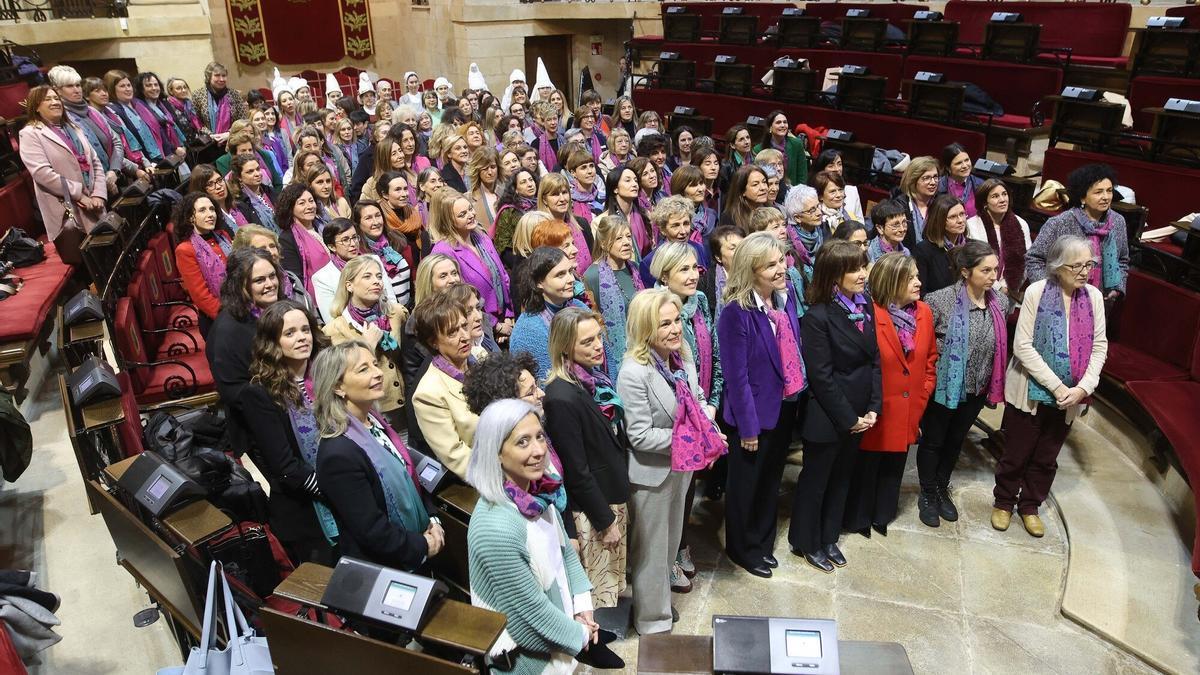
(70,239)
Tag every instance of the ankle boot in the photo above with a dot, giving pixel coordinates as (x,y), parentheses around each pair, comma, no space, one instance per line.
(927,508)
(946,507)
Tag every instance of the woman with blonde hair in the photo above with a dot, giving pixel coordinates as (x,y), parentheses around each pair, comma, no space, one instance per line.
(613,282)
(554,197)
(671,435)
(482,173)
(454,157)
(472,132)
(362,313)
(918,187)
(456,231)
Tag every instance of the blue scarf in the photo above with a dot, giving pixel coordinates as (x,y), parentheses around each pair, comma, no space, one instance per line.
(1065,345)
(612,305)
(877,248)
(392,465)
(1104,245)
(145,138)
(304,427)
(952,361)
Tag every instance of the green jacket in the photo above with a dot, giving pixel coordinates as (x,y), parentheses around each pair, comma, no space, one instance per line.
(797,160)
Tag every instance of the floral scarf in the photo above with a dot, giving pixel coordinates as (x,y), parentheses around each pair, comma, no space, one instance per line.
(856,307)
(188,110)
(308,437)
(695,441)
(1064,344)
(952,363)
(613,305)
(696,318)
(794,377)
(212,265)
(600,387)
(361,318)
(1106,276)
(543,492)
(905,321)
(392,260)
(806,244)
(879,247)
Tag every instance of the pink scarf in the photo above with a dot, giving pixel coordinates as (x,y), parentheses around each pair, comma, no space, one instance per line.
(546,152)
(695,441)
(188,111)
(313,255)
(583,259)
(704,342)
(212,265)
(789,353)
(593,142)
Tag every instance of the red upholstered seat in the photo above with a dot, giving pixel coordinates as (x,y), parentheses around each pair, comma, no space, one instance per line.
(1127,363)
(167,310)
(1016,87)
(11,96)
(164,258)
(156,381)
(1089,29)
(130,431)
(1152,91)
(1146,349)
(162,341)
(17,204)
(25,313)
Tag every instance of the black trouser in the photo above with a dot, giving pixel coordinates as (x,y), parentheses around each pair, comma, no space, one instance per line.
(752,490)
(874,489)
(942,434)
(821,489)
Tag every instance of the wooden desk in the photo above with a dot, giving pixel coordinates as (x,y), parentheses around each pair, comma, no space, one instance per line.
(666,654)
(102,414)
(193,523)
(452,624)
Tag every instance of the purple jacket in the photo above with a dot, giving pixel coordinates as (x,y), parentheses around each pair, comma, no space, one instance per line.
(475,272)
(753,384)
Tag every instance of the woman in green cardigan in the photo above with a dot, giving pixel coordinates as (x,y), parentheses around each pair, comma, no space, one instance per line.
(795,155)
(521,562)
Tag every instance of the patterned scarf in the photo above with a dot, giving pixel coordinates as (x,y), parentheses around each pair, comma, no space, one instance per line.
(1106,276)
(391,257)
(264,210)
(219,110)
(96,127)
(952,363)
(1011,246)
(587,203)
(394,467)
(702,223)
(212,266)
(141,133)
(794,378)
(695,441)
(188,110)
(543,492)
(695,316)
(600,387)
(917,220)
(879,247)
(806,244)
(154,123)
(905,320)
(1064,344)
(719,288)
(308,437)
(583,255)
(76,147)
(360,318)
(856,307)
(547,153)
(613,305)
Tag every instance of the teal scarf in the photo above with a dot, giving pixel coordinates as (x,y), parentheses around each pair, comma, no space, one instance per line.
(394,468)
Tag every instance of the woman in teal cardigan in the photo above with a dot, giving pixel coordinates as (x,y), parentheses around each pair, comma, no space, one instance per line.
(521,562)
(795,155)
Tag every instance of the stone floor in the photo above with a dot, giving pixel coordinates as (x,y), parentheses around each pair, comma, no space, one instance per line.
(962,598)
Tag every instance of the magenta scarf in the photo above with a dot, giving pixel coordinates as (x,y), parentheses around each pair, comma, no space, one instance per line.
(313,255)
(905,320)
(704,342)
(856,307)
(695,441)
(789,353)
(543,492)
(76,147)
(583,259)
(212,266)
(594,146)
(546,152)
(188,110)
(222,116)
(637,225)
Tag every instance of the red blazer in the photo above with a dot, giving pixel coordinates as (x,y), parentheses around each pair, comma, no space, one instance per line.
(193,279)
(908,382)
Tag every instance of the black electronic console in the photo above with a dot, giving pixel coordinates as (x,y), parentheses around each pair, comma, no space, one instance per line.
(93,381)
(430,472)
(380,595)
(158,486)
(758,644)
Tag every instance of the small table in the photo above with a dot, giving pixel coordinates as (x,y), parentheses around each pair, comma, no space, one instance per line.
(666,654)
(193,523)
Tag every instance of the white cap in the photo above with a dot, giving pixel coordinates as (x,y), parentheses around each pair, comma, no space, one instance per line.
(331,84)
(543,80)
(475,79)
(364,84)
(442,82)
(279,85)
(516,76)
(295,84)
(275,77)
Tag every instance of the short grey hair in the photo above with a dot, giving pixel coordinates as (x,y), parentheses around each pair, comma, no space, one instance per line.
(1064,249)
(793,203)
(496,424)
(62,76)
(399,112)
(328,369)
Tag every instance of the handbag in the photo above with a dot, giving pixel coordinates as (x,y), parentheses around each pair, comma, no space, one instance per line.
(19,249)
(244,654)
(70,239)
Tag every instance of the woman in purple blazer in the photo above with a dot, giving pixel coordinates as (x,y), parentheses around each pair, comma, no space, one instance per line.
(453,225)
(759,336)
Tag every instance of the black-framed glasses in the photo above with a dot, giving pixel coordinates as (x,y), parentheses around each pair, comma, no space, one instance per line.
(1077,268)
(346,240)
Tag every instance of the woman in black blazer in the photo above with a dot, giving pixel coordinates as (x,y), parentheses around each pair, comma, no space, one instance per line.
(846,384)
(945,230)
(278,400)
(364,469)
(586,422)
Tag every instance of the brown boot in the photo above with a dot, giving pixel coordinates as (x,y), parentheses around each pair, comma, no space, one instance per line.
(1001,518)
(1033,525)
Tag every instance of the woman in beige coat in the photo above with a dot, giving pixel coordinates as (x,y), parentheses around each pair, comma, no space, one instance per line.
(361,312)
(55,150)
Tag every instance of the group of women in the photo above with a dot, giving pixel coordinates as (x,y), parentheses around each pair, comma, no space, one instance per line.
(580,323)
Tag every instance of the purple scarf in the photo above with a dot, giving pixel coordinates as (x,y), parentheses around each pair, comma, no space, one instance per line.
(695,441)
(219,111)
(546,153)
(545,491)
(593,143)
(598,385)
(905,320)
(856,307)
(156,127)
(789,352)
(443,364)
(212,265)
(85,166)
(583,258)
(704,342)
(1064,344)
(188,109)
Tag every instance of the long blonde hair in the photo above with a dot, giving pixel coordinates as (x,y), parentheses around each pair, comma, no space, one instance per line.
(642,323)
(423,281)
(328,370)
(522,240)
(441,214)
(354,267)
(750,257)
(563,331)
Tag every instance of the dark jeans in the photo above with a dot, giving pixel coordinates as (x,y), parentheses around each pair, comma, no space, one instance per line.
(1026,469)
(819,503)
(752,490)
(942,434)
(874,494)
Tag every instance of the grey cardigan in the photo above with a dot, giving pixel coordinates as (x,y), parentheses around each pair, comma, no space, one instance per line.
(1064,224)
(649,418)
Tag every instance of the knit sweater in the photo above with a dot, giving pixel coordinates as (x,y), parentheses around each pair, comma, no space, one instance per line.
(531,334)
(503,578)
(1064,224)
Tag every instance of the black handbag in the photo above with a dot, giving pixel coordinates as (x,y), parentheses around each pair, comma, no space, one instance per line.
(20,249)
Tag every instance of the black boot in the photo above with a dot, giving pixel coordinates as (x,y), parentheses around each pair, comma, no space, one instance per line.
(946,507)
(927,506)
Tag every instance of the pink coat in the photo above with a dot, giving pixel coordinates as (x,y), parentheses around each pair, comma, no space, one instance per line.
(47,157)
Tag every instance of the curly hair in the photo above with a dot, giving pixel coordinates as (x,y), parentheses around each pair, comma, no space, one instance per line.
(496,377)
(185,225)
(286,203)
(1082,179)
(268,368)
(235,290)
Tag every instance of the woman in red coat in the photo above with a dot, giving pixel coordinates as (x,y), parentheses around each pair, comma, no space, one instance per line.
(203,241)
(908,358)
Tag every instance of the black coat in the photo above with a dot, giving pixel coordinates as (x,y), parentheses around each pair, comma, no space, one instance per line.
(289,254)
(362,171)
(354,494)
(228,346)
(453,178)
(277,455)
(842,365)
(934,266)
(595,460)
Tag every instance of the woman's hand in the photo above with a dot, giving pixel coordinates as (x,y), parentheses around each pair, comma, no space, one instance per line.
(110,177)
(711,411)
(593,628)
(1072,397)
(399,314)
(372,335)
(860,426)
(221,138)
(611,537)
(750,444)
(435,537)
(503,328)
(91,203)
(871,417)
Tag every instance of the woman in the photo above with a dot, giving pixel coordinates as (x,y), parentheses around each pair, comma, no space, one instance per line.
(918,187)
(363,467)
(400,216)
(482,172)
(279,399)
(458,235)
(675,267)
(972,335)
(958,181)
(397,152)
(412,91)
(622,189)
(618,150)
(626,115)
(300,244)
(518,197)
(777,134)
(682,139)
(852,231)
(454,159)
(802,209)
(205,178)
(361,313)
(554,197)
(830,160)
(831,190)
(1003,230)
(446,424)
(435,274)
(764,380)
(908,361)
(593,139)
(613,282)
(842,358)
(586,421)
(251,195)
(144,138)
(587,193)
(203,242)
(649,119)
(722,242)
(132,160)
(1090,189)
(549,283)
(341,140)
(945,231)
(344,243)
(275,141)
(430,104)
(391,247)
(709,163)
(545,130)
(217,104)
(178,100)
(1060,348)
(429,183)
(509,163)
(688,181)
(472,133)
(290,121)
(520,561)
(648,181)
(891,225)
(329,205)
(483,340)
(151,106)
(739,148)
(68,177)
(747,191)
(671,434)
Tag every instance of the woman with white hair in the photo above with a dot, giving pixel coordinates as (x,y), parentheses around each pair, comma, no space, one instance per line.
(521,563)
(105,141)
(802,209)
(1059,349)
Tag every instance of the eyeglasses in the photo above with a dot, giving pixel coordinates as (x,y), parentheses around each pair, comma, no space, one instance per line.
(861,244)
(346,240)
(811,212)
(215,182)
(928,179)
(1081,267)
